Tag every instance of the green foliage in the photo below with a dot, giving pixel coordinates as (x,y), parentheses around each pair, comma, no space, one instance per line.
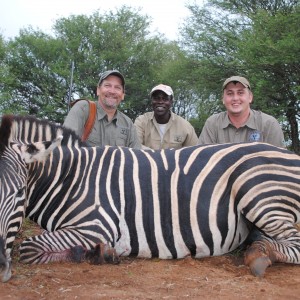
(40,66)
(255,39)
(271,46)
(33,84)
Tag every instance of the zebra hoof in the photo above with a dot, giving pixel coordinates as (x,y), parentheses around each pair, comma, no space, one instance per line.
(259,266)
(77,254)
(110,255)
(102,253)
(257,260)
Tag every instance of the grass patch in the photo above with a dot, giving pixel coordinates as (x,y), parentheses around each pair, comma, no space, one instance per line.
(28,229)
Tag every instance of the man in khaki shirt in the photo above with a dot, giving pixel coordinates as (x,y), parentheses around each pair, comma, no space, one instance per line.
(240,123)
(161,128)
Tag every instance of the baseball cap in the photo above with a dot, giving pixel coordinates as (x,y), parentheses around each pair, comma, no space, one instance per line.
(162,87)
(240,79)
(111,72)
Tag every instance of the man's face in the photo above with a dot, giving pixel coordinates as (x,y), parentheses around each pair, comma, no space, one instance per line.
(110,92)
(161,103)
(237,98)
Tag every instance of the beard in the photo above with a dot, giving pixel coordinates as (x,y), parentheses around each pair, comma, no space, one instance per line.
(110,103)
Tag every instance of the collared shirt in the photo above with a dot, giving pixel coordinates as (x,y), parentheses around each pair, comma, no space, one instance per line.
(120,131)
(178,132)
(259,127)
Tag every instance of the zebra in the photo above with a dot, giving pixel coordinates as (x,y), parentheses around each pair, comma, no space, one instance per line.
(96,204)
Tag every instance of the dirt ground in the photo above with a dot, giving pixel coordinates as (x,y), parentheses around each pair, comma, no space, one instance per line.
(223,277)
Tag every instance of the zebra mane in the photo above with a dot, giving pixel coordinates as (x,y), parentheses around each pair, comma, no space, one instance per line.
(29,129)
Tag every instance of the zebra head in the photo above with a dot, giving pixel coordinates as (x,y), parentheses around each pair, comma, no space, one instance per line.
(15,159)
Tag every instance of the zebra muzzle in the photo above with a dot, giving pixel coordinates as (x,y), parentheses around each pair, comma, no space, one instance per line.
(5,269)
(5,263)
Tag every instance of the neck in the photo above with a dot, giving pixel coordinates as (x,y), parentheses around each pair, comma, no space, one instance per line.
(110,111)
(238,120)
(110,114)
(163,119)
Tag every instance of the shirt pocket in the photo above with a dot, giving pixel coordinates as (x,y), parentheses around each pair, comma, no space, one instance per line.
(177,141)
(122,136)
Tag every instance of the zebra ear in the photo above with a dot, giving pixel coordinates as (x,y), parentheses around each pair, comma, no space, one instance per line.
(38,151)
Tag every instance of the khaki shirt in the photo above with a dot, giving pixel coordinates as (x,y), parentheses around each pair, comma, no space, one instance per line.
(179,132)
(119,132)
(260,127)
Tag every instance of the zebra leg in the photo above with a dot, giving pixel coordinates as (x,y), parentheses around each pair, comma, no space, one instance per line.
(284,246)
(65,245)
(102,253)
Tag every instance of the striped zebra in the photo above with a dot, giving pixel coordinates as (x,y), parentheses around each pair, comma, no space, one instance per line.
(99,203)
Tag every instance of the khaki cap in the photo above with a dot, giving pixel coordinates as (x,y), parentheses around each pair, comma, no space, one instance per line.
(240,79)
(162,87)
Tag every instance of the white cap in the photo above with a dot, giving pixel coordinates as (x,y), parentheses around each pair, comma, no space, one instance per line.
(162,87)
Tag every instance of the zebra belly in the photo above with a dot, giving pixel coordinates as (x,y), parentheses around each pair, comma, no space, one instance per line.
(201,248)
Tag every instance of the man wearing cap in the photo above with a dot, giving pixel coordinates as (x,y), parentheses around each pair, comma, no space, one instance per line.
(161,128)
(240,123)
(111,126)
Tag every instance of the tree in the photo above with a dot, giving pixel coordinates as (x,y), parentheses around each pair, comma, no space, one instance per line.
(270,47)
(120,41)
(32,80)
(39,65)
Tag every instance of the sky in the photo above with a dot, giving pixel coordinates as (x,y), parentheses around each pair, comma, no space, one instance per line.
(41,14)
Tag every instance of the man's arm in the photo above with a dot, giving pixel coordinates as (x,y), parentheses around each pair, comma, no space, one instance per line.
(77,117)
(207,135)
(140,130)
(192,138)
(273,133)
(134,140)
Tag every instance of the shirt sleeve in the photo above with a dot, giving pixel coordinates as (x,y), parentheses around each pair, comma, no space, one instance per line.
(207,135)
(140,130)
(77,117)
(134,139)
(273,133)
(192,138)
